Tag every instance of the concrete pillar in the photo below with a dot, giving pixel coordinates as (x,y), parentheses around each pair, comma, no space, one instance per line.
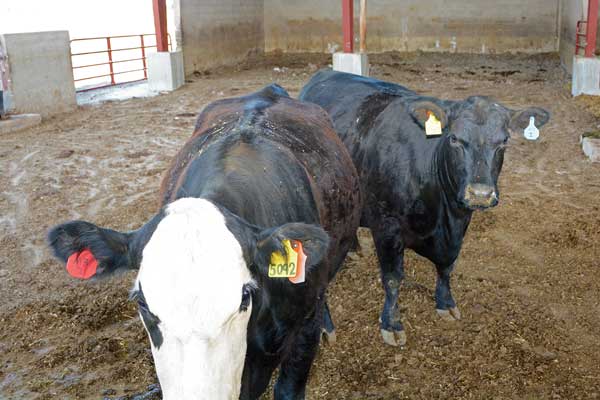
(586,76)
(354,63)
(40,74)
(165,71)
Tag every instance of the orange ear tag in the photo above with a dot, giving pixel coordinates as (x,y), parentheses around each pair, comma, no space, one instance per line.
(301,273)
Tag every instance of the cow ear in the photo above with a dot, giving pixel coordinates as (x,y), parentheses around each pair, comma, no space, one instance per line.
(92,251)
(88,249)
(520,119)
(315,243)
(420,111)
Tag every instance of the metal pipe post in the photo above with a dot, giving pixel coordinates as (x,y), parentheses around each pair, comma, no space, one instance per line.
(160,25)
(110,62)
(144,56)
(348,25)
(591,28)
(363,26)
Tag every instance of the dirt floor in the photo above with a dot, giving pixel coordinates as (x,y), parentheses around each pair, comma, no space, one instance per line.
(527,281)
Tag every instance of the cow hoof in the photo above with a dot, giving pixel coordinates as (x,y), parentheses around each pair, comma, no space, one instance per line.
(394,338)
(455,312)
(446,315)
(329,337)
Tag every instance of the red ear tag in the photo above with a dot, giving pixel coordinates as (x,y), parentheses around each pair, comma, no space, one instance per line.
(82,265)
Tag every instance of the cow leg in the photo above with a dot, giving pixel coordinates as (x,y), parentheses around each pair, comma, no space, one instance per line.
(293,374)
(444,302)
(257,375)
(390,253)
(328,328)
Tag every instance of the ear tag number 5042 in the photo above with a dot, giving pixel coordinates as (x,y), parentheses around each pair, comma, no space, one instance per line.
(290,265)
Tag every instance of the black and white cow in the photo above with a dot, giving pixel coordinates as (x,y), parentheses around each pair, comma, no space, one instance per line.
(258,170)
(420,192)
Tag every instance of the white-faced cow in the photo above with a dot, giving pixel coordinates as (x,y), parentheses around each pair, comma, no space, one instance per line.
(258,172)
(420,192)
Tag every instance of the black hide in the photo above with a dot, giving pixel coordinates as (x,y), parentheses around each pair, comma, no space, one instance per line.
(419,191)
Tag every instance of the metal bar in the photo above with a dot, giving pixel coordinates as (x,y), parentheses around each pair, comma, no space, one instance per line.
(363,26)
(110,63)
(114,62)
(143,56)
(89,52)
(348,25)
(160,24)
(128,71)
(114,37)
(591,28)
(91,77)
(578,36)
(131,48)
(111,74)
(113,50)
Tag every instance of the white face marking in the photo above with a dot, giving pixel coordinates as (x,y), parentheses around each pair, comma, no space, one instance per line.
(192,274)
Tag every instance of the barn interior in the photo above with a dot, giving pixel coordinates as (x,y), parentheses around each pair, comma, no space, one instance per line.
(527,278)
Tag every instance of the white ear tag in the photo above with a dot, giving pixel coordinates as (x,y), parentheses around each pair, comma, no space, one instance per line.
(433,126)
(531,132)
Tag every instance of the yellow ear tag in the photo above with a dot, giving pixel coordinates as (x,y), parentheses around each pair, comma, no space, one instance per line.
(433,126)
(289,266)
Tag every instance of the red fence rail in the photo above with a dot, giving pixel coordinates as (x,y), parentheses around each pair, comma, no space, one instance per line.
(580,34)
(108,54)
(587,40)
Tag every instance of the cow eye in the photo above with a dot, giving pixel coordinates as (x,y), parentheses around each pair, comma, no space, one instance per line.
(246,296)
(505,141)
(453,139)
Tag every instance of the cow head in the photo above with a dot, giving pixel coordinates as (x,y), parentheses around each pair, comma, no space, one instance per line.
(476,134)
(198,268)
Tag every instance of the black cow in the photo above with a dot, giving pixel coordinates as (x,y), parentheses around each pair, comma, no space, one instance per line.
(420,192)
(258,171)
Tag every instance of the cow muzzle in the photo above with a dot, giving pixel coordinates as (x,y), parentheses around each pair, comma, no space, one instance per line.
(479,196)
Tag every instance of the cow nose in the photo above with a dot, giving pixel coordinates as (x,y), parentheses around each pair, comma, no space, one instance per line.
(478,195)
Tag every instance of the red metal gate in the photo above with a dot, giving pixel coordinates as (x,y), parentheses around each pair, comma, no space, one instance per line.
(586,40)
(111,60)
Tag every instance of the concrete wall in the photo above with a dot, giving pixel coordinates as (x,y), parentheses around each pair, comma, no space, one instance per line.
(40,75)
(219,32)
(408,25)
(571,11)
